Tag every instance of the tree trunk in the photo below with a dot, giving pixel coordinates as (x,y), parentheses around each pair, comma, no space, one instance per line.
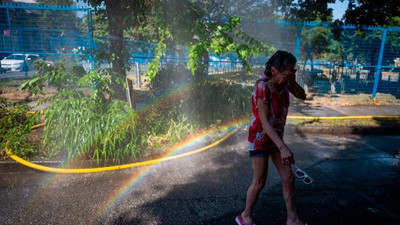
(115,29)
(202,71)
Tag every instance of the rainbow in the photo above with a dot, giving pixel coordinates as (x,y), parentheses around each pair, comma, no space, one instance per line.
(185,146)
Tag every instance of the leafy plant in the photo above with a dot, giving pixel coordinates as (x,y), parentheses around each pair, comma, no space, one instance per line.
(159,52)
(223,37)
(203,102)
(15,124)
(100,85)
(57,75)
(63,78)
(212,101)
(91,126)
(217,37)
(80,126)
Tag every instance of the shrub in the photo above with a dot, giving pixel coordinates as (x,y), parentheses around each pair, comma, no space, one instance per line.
(169,77)
(15,124)
(212,101)
(203,102)
(92,126)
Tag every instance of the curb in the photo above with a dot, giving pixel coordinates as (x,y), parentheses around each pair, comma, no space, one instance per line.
(346,130)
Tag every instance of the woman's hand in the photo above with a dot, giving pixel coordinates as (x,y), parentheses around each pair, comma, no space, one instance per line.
(286,155)
(294,87)
(291,77)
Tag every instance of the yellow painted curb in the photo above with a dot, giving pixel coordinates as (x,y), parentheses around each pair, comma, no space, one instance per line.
(110,168)
(341,117)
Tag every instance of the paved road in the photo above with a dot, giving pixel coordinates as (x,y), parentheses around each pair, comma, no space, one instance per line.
(17,74)
(356,181)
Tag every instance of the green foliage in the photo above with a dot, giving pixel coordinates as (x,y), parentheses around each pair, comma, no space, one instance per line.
(311,10)
(365,12)
(58,76)
(196,51)
(85,127)
(315,42)
(160,51)
(89,126)
(15,125)
(177,130)
(204,102)
(214,101)
(101,85)
(224,37)
(170,77)
(54,19)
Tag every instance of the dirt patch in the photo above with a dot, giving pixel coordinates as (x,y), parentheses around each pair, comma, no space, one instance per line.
(13,94)
(35,137)
(347,99)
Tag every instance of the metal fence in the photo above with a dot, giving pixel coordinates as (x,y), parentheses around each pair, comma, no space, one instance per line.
(332,58)
(49,31)
(337,58)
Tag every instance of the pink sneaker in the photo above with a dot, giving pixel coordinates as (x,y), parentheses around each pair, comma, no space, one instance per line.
(240,221)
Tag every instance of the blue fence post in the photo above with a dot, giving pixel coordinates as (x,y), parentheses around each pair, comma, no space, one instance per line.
(379,67)
(51,45)
(8,18)
(9,28)
(90,25)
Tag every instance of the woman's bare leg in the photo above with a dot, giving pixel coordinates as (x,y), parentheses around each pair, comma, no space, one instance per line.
(286,173)
(260,172)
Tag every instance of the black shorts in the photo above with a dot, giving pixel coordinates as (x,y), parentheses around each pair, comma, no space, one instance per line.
(263,153)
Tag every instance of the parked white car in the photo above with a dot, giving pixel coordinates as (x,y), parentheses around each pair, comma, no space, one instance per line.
(19,62)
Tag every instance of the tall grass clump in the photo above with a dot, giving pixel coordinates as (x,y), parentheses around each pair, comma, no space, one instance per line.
(94,126)
(84,128)
(80,125)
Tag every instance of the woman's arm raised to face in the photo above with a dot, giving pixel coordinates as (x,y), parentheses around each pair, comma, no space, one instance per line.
(297,90)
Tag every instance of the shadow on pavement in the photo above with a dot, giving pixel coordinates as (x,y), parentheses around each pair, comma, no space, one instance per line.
(354,183)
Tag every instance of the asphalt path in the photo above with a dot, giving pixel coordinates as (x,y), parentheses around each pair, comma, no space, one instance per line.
(356,181)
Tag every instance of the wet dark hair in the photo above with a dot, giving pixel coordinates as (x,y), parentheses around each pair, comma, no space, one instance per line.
(280,60)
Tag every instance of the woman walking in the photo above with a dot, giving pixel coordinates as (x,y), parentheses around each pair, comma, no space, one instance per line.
(270,103)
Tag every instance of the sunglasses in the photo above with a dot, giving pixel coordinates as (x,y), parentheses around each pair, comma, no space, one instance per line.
(303,175)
